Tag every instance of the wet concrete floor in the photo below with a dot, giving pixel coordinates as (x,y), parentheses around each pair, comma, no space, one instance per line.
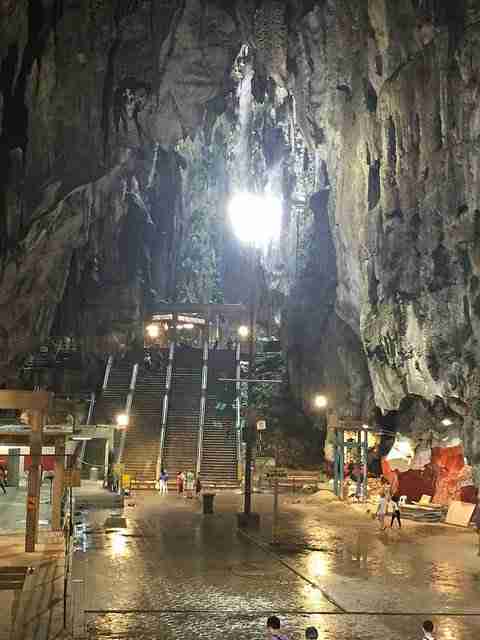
(160,569)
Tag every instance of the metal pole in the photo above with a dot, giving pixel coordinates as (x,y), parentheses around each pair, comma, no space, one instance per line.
(251,427)
(365,465)
(275,509)
(34,482)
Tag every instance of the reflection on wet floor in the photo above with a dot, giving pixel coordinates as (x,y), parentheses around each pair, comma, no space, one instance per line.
(172,573)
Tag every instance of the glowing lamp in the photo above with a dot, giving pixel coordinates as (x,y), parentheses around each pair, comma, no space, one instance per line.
(153,331)
(243,331)
(447,422)
(320,401)
(122,420)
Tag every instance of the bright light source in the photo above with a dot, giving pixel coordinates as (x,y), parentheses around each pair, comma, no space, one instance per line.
(243,331)
(122,420)
(81,438)
(320,401)
(153,331)
(255,218)
(447,422)
(188,326)
(365,426)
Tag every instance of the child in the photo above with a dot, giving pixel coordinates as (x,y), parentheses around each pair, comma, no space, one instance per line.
(395,511)
(382,510)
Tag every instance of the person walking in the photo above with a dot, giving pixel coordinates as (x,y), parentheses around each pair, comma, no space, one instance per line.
(163,482)
(395,502)
(273,628)
(427,629)
(3,479)
(198,487)
(180,481)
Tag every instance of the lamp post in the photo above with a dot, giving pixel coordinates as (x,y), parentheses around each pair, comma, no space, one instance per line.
(256,220)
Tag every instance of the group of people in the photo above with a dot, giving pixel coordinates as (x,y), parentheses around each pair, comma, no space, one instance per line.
(311,633)
(186,482)
(388,500)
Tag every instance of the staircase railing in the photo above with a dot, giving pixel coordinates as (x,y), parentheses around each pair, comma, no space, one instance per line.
(128,408)
(238,413)
(108,369)
(166,395)
(91,407)
(203,404)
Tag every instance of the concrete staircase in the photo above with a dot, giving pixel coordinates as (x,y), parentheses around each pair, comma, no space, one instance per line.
(181,440)
(142,442)
(219,458)
(111,400)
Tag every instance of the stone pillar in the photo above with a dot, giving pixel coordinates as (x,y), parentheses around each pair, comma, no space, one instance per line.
(13,467)
(34,481)
(58,484)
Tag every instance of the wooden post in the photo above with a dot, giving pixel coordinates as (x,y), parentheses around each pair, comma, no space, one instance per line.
(58,484)
(34,481)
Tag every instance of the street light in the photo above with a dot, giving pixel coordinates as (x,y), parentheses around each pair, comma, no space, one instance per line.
(122,420)
(447,422)
(243,331)
(320,401)
(256,220)
(153,331)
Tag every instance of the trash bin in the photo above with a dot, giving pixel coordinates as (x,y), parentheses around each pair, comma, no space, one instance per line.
(94,473)
(208,502)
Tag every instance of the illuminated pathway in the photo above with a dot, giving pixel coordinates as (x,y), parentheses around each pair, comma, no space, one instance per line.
(174,573)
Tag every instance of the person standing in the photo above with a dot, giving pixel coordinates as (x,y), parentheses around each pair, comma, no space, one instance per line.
(163,482)
(395,511)
(180,481)
(3,479)
(189,483)
(382,510)
(273,628)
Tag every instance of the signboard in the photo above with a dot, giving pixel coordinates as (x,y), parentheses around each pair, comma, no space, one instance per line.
(261,425)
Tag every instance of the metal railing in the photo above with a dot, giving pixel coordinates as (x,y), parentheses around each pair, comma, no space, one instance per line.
(203,402)
(168,386)
(128,408)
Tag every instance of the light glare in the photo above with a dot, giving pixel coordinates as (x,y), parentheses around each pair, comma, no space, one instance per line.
(153,331)
(256,219)
(320,401)
(122,420)
(243,331)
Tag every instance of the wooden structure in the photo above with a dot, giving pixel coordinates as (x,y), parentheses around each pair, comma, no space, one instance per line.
(38,404)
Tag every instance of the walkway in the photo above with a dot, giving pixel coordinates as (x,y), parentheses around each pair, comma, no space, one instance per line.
(161,569)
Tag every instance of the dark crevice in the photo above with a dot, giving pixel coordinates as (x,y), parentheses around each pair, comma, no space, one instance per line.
(374,188)
(392,143)
(107,99)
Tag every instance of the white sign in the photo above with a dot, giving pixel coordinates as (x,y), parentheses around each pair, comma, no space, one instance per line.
(261,425)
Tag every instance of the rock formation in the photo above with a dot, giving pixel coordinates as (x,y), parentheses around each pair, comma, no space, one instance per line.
(364,115)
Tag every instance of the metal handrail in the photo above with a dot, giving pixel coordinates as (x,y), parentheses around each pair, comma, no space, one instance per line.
(128,408)
(166,395)
(203,398)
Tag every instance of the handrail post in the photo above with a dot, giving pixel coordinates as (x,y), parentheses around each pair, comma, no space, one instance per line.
(166,396)
(203,403)
(238,417)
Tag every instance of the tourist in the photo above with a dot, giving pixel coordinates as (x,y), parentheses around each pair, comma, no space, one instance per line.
(273,627)
(311,633)
(382,509)
(163,482)
(427,629)
(395,511)
(189,483)
(180,481)
(3,478)
(198,487)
